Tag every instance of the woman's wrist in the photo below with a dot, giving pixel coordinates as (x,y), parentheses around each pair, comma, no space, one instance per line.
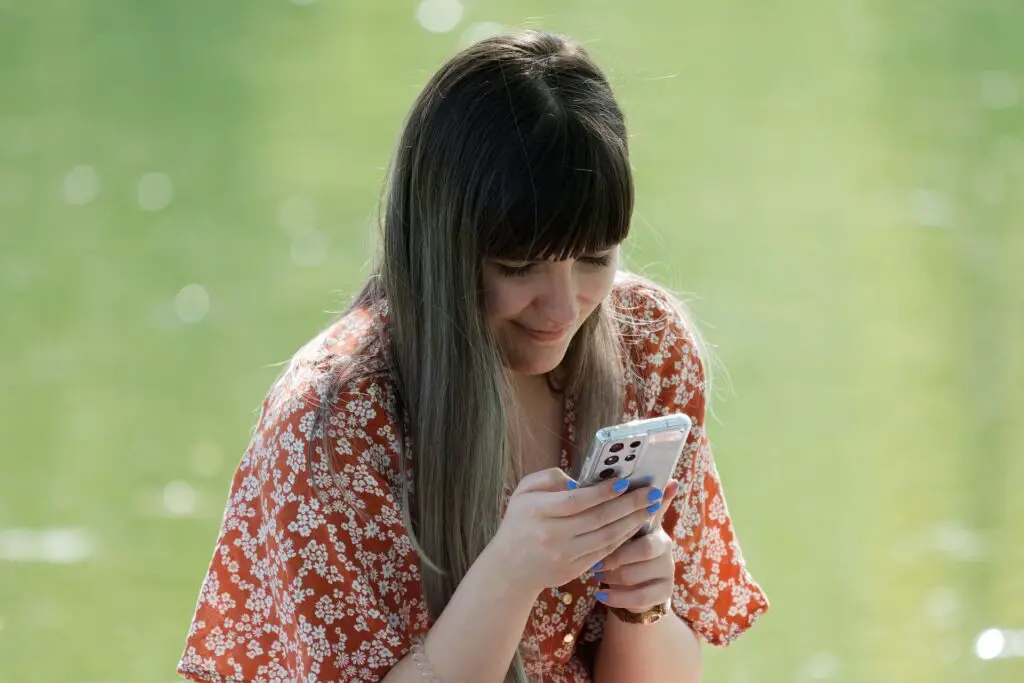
(500,562)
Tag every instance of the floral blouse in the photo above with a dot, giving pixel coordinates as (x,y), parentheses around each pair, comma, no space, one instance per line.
(302,587)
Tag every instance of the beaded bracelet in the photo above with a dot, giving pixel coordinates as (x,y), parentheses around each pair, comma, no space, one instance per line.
(419,658)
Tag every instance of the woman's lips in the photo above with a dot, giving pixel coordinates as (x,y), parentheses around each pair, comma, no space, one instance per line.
(544,335)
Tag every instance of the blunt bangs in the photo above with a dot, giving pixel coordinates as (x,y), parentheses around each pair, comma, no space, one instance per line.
(566,191)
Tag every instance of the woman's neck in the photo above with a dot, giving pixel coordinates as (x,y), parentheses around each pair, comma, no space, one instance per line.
(528,386)
(536,423)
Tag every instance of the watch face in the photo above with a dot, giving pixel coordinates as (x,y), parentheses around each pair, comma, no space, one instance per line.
(654,614)
(649,617)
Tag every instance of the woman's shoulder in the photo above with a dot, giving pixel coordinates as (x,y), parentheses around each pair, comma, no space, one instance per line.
(337,380)
(350,346)
(664,349)
(650,315)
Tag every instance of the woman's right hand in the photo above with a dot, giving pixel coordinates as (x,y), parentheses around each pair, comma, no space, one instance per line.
(552,534)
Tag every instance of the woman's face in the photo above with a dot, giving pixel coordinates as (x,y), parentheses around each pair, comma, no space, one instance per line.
(536,307)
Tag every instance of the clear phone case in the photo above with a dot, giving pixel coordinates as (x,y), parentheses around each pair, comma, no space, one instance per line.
(645,452)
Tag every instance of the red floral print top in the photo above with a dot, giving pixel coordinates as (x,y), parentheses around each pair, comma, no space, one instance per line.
(302,588)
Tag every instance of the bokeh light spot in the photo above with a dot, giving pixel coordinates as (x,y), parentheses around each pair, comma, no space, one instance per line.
(17,545)
(65,546)
(821,667)
(52,546)
(192,303)
(180,499)
(81,185)
(958,542)
(155,191)
(990,644)
(999,90)
(439,16)
(930,209)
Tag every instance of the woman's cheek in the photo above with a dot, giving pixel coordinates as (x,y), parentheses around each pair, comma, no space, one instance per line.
(505,302)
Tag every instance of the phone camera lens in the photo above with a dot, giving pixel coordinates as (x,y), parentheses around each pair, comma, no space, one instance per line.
(635,444)
(616,447)
(629,458)
(611,460)
(607,473)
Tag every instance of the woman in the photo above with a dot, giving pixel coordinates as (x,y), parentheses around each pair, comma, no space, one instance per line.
(405,511)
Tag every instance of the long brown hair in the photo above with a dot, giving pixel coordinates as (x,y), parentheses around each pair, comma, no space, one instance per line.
(515,149)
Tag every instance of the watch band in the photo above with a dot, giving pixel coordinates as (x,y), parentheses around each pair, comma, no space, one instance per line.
(647,617)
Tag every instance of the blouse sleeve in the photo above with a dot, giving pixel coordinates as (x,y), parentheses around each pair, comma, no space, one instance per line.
(714,593)
(309,585)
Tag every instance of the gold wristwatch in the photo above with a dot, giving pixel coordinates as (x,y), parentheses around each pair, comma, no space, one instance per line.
(648,617)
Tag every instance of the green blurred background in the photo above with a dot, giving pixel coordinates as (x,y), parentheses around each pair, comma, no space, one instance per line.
(187,192)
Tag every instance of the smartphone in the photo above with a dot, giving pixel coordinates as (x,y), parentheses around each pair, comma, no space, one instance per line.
(646,452)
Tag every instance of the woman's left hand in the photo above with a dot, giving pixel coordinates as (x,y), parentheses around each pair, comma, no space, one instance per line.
(640,574)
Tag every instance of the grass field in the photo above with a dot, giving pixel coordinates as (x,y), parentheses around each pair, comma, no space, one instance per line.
(187,191)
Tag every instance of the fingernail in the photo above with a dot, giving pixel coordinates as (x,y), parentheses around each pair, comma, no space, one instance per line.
(651,509)
(599,575)
(602,596)
(572,485)
(655,494)
(597,566)
(621,485)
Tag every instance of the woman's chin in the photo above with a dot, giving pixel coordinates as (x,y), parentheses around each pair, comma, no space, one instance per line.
(536,364)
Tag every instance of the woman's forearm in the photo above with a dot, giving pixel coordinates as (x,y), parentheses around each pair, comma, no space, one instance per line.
(664,652)
(477,634)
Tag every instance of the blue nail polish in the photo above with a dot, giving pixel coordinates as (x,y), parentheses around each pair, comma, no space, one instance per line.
(621,485)
(572,485)
(597,566)
(602,596)
(599,575)
(651,509)
(655,494)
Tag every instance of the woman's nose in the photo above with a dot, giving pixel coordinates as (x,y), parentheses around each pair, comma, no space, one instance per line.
(559,304)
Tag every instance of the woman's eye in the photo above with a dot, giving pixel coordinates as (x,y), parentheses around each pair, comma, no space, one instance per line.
(515,271)
(525,268)
(597,261)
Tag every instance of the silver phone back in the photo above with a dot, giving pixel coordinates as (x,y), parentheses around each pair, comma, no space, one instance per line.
(644,451)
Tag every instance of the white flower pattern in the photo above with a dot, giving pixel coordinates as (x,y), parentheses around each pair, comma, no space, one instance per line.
(308,587)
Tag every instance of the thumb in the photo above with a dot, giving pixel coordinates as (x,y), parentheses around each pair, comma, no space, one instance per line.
(551,479)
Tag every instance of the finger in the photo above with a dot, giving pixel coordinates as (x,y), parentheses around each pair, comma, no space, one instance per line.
(593,561)
(570,502)
(551,479)
(636,598)
(671,489)
(603,541)
(637,573)
(646,499)
(639,549)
